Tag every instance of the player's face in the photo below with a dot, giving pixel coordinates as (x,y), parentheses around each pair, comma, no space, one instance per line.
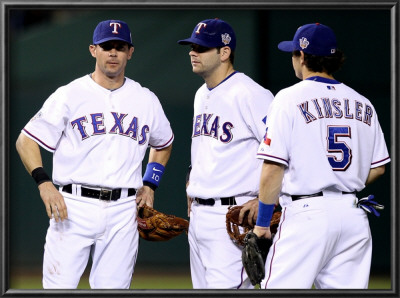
(112,57)
(204,60)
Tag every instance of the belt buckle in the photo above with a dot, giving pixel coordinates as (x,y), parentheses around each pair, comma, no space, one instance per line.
(104,192)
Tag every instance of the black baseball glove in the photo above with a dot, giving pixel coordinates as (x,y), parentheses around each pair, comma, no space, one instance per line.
(254,254)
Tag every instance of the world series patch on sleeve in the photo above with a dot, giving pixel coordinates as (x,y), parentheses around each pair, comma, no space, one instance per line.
(154,225)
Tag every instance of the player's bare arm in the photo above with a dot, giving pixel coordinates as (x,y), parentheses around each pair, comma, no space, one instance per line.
(374,174)
(29,153)
(270,187)
(145,195)
(160,156)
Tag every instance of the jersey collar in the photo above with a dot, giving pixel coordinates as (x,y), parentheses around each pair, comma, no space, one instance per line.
(323,80)
(90,75)
(223,80)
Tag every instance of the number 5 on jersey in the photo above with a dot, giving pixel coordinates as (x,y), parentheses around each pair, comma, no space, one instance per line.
(339,147)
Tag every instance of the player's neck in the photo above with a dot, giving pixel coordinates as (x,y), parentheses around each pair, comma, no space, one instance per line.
(110,83)
(218,76)
(308,74)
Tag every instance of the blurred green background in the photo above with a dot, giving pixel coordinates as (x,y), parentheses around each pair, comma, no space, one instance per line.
(49,48)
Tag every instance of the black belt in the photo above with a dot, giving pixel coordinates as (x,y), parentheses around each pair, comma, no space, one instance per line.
(103,194)
(318,194)
(211,202)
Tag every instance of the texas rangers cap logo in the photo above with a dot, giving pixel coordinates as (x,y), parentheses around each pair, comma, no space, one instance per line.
(115,26)
(112,30)
(303,43)
(212,33)
(199,26)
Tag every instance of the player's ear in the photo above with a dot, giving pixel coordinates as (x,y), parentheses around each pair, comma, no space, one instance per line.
(131,50)
(92,50)
(302,57)
(225,53)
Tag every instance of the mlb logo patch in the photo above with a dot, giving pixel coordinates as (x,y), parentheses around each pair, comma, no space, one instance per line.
(331,87)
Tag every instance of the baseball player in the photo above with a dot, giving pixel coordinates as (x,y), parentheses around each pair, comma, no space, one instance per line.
(98,128)
(323,144)
(227,127)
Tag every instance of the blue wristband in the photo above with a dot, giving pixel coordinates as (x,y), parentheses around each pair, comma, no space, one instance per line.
(265,212)
(153,174)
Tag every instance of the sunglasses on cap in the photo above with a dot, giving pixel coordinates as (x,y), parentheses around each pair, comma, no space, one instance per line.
(109,45)
(199,49)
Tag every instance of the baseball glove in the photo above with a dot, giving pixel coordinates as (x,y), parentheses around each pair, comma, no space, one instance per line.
(154,225)
(237,232)
(254,254)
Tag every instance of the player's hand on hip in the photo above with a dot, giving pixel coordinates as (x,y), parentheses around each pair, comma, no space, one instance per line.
(145,196)
(264,232)
(251,207)
(53,201)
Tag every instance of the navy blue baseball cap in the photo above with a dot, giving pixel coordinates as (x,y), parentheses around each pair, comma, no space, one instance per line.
(112,30)
(212,33)
(315,39)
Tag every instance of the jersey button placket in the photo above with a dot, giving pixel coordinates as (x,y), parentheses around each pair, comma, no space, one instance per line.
(108,164)
(208,96)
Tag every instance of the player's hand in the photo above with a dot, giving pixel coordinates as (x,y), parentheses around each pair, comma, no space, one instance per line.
(53,201)
(264,232)
(252,207)
(145,196)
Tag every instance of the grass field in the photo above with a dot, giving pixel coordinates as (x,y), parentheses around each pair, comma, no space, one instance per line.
(160,278)
(142,279)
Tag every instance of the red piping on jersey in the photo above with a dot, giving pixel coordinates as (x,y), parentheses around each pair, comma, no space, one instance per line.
(39,140)
(263,154)
(273,246)
(162,146)
(379,161)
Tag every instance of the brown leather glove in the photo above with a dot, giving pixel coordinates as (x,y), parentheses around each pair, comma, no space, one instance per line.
(237,232)
(154,225)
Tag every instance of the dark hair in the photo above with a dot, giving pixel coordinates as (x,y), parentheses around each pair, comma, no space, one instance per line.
(328,64)
(231,56)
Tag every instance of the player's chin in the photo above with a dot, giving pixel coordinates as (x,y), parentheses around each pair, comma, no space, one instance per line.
(196,70)
(112,73)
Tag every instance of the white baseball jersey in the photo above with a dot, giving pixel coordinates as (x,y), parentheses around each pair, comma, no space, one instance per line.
(327,135)
(99,137)
(329,138)
(228,126)
(227,129)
